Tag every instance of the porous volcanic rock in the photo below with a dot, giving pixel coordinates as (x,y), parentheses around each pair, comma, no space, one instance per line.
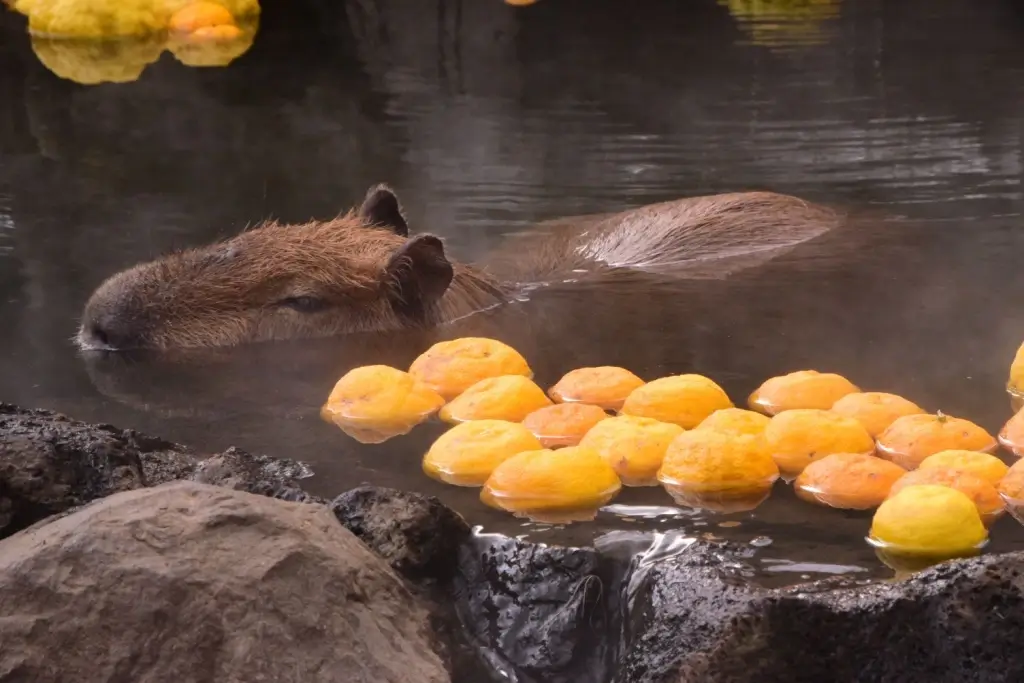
(50,463)
(694,618)
(547,613)
(418,535)
(259,474)
(190,582)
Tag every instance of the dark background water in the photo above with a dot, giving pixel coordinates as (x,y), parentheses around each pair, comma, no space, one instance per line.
(487,118)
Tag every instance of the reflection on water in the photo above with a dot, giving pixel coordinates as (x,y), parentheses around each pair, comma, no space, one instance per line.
(488,118)
(79,48)
(786,24)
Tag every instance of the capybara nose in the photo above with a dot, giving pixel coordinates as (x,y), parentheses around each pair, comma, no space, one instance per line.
(108,333)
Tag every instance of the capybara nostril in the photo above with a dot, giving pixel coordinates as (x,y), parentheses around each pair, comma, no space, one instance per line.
(98,334)
(110,334)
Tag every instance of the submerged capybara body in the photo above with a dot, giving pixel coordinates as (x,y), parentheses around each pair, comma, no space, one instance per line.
(363,271)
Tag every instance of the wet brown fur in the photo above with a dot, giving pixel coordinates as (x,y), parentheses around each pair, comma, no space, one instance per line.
(364,272)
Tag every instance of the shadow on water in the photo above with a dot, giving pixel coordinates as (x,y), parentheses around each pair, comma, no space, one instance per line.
(488,118)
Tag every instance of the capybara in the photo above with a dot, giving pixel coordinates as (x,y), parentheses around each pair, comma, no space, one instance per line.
(364,271)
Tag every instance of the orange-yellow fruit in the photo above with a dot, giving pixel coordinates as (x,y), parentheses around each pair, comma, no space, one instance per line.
(466,454)
(200,15)
(452,367)
(800,389)
(735,421)
(511,397)
(711,470)
(705,460)
(563,424)
(798,437)
(912,438)
(984,496)
(375,402)
(928,520)
(852,481)
(875,410)
(605,386)
(217,33)
(1012,484)
(1016,381)
(1011,436)
(983,465)
(569,484)
(633,446)
(684,400)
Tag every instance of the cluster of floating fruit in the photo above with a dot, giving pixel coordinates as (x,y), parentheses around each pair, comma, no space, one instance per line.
(114,41)
(560,455)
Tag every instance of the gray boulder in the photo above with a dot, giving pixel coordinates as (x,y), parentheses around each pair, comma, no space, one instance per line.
(189,582)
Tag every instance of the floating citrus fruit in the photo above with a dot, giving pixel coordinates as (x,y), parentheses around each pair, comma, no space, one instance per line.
(199,15)
(983,494)
(90,62)
(735,421)
(1011,490)
(876,410)
(1012,484)
(376,402)
(984,465)
(926,524)
(684,400)
(852,481)
(798,437)
(633,446)
(511,397)
(1011,436)
(709,469)
(1016,382)
(605,386)
(566,485)
(466,454)
(211,46)
(912,438)
(452,367)
(104,19)
(563,424)
(800,389)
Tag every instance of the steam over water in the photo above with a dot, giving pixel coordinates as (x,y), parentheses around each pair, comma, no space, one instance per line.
(487,118)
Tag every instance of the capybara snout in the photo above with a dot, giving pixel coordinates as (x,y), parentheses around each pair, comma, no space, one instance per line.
(357,272)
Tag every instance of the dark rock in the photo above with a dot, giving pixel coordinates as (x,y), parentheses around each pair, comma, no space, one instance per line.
(274,477)
(418,535)
(50,464)
(541,613)
(696,618)
(162,460)
(188,582)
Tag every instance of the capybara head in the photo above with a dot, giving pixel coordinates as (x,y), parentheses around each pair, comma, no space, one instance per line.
(358,272)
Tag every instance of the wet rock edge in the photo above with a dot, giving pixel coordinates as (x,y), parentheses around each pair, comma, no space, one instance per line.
(542,613)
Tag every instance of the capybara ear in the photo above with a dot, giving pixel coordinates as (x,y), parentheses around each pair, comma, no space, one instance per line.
(381,207)
(418,275)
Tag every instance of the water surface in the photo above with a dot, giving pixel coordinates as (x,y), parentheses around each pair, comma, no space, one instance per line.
(487,118)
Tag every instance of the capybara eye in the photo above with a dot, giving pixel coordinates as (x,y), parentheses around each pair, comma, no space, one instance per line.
(304,304)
